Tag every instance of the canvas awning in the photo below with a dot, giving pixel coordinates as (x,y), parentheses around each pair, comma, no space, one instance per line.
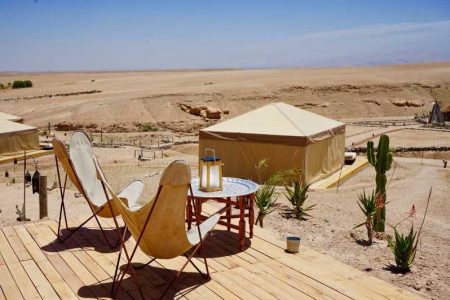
(16,137)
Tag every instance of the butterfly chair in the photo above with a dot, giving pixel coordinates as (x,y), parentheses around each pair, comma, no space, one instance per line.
(82,171)
(159,225)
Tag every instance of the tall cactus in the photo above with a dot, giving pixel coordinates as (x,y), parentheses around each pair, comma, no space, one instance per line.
(382,163)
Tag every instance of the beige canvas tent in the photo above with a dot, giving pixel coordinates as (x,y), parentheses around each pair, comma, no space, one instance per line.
(287,136)
(8,117)
(16,137)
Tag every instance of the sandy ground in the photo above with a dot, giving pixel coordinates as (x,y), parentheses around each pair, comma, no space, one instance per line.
(343,93)
(128,97)
(419,137)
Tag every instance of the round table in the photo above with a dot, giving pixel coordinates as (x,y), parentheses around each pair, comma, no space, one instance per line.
(235,192)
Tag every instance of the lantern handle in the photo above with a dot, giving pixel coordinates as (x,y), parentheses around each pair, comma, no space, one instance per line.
(211,150)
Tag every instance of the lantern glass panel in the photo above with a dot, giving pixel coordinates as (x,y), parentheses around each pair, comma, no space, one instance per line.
(214,176)
(204,175)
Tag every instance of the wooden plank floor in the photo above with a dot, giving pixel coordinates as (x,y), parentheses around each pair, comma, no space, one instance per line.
(19,155)
(34,265)
(341,176)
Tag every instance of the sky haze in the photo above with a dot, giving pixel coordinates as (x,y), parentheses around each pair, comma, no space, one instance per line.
(45,35)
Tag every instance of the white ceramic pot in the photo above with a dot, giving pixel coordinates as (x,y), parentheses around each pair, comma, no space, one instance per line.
(292,244)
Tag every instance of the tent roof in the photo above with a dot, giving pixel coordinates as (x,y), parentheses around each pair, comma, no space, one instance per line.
(8,128)
(8,117)
(278,119)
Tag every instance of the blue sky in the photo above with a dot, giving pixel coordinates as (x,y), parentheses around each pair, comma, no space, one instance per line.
(46,35)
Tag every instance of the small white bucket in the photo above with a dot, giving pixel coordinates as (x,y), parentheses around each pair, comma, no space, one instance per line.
(292,244)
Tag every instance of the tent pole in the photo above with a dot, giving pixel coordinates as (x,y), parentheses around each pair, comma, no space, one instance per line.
(24,190)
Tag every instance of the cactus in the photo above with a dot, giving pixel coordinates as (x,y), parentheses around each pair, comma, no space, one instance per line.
(382,163)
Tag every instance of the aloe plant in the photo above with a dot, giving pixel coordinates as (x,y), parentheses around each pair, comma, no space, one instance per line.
(297,196)
(266,196)
(404,247)
(367,205)
(265,199)
(382,163)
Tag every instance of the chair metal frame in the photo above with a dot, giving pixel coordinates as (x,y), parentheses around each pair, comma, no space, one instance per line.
(95,211)
(119,275)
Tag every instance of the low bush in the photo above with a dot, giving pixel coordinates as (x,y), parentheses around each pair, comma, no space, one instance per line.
(367,204)
(404,246)
(297,196)
(20,84)
(266,197)
(296,192)
(149,127)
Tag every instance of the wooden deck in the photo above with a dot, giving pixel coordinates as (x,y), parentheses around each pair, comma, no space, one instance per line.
(341,176)
(33,265)
(4,159)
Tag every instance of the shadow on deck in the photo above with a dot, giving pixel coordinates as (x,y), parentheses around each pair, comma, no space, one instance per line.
(34,265)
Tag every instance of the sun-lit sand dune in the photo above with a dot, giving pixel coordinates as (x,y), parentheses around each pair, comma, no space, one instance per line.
(127,97)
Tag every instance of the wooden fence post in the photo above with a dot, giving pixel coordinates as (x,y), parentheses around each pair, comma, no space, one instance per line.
(43,209)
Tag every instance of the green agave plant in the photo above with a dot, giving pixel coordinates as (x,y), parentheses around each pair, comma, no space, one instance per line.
(266,196)
(367,205)
(404,249)
(265,200)
(297,196)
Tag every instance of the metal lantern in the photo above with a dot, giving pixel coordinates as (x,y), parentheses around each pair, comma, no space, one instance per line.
(210,172)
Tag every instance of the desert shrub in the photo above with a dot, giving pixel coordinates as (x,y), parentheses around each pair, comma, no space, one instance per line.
(2,86)
(149,127)
(20,213)
(20,84)
(297,196)
(404,247)
(367,204)
(266,196)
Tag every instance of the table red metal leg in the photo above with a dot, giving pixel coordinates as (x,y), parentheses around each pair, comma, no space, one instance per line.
(189,212)
(198,217)
(228,213)
(251,215)
(241,201)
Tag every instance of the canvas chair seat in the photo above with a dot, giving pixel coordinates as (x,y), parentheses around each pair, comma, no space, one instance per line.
(131,193)
(165,236)
(159,226)
(82,157)
(81,168)
(205,227)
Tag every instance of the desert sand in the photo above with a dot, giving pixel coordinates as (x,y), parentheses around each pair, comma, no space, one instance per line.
(152,97)
(128,99)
